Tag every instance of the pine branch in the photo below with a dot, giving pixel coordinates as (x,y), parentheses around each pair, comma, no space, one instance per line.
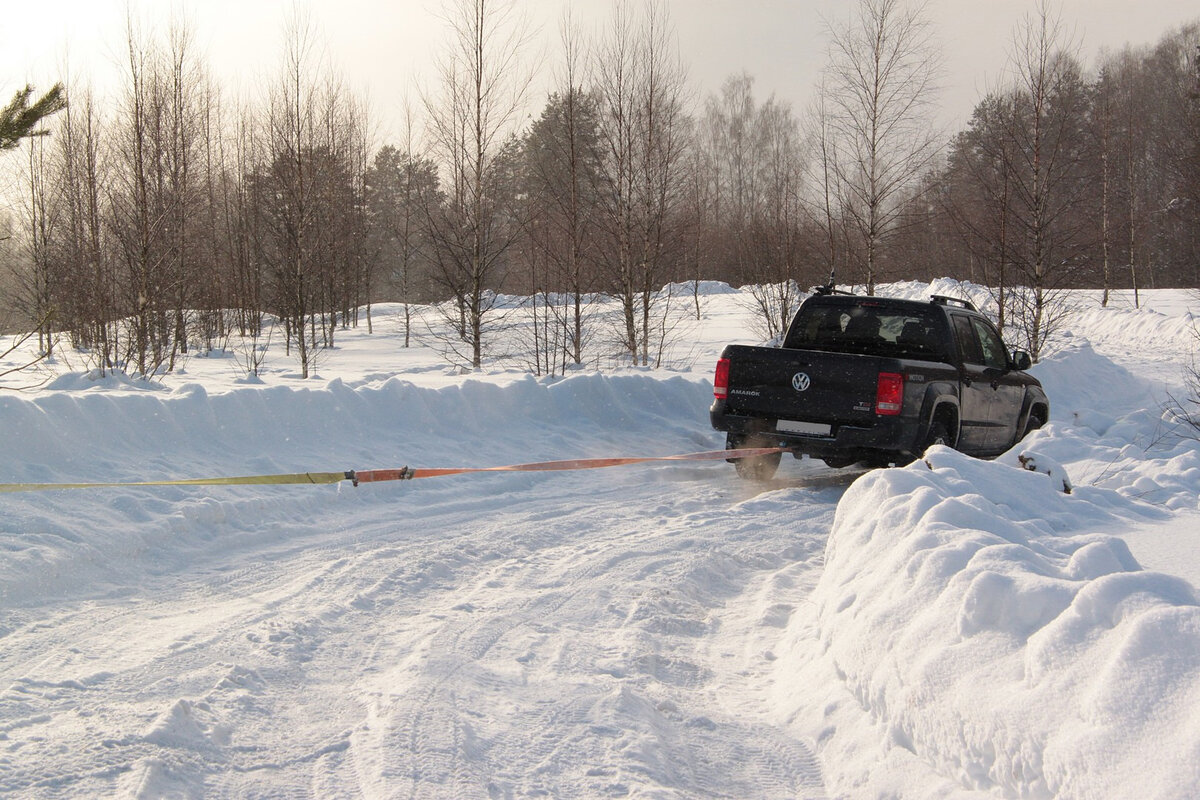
(18,119)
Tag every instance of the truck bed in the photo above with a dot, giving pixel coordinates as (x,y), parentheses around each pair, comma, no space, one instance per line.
(765,381)
(822,403)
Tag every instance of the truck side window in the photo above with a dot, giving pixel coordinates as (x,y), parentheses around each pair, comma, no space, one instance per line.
(994,354)
(968,345)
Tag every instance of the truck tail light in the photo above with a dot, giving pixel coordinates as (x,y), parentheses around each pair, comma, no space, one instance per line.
(721,379)
(889,394)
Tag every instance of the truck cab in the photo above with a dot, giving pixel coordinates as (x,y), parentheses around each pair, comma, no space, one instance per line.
(876,380)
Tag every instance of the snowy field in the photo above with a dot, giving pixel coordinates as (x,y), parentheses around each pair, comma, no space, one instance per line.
(954,628)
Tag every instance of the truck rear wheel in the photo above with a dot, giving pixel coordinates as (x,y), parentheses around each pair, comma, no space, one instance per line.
(756,468)
(838,462)
(938,434)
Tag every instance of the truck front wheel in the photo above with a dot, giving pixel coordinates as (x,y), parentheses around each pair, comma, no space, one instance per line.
(1034,424)
(755,468)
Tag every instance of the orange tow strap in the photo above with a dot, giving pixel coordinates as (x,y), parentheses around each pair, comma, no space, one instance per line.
(409,473)
(400,474)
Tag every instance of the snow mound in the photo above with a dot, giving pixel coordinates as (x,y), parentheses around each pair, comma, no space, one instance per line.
(1077,378)
(968,616)
(184,726)
(93,380)
(702,288)
(980,296)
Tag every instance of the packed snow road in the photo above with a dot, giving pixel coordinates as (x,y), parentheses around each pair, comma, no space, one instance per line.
(585,634)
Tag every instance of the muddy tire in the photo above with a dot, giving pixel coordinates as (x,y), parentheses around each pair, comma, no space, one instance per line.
(757,468)
(938,434)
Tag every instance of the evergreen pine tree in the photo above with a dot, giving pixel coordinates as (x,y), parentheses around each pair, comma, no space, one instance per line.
(18,118)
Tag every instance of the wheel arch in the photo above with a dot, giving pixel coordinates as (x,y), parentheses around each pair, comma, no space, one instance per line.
(940,405)
(1036,406)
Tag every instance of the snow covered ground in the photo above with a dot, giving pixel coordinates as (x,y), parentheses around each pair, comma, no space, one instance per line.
(954,628)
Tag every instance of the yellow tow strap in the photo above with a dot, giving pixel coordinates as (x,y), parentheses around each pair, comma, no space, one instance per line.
(248,480)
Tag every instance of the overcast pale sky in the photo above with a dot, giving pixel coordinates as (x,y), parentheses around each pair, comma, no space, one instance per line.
(384,47)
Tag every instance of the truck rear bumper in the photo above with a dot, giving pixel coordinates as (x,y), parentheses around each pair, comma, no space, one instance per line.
(888,438)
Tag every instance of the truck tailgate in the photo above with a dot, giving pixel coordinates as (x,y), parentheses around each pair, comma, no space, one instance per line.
(805,385)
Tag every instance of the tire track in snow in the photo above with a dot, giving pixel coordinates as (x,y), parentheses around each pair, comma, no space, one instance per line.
(555,688)
(551,645)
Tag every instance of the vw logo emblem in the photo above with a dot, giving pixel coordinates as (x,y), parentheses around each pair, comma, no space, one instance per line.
(801,382)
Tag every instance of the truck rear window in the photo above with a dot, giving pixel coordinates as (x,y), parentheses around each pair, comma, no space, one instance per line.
(868,329)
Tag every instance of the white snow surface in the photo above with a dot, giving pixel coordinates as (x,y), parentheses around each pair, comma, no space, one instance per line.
(952,628)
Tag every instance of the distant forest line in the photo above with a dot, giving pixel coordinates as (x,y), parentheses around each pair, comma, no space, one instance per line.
(164,218)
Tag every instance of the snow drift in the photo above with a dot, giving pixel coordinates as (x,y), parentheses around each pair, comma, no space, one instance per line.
(976,624)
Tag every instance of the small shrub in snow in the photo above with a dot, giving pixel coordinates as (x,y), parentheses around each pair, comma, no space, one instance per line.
(1036,462)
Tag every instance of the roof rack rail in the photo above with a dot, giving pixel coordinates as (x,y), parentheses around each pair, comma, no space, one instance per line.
(943,300)
(829,289)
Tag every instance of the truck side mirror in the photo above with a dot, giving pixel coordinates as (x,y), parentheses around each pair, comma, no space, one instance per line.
(1020,360)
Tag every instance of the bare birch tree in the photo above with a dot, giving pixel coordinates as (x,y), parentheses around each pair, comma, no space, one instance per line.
(154,195)
(756,157)
(39,281)
(561,164)
(1122,110)
(401,185)
(579,153)
(733,141)
(881,83)
(483,88)
(823,172)
(89,308)
(287,188)
(979,195)
(639,82)
(1050,107)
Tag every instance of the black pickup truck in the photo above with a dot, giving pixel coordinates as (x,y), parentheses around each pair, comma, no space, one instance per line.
(875,380)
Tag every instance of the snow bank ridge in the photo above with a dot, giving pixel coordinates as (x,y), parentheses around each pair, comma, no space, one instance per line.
(122,436)
(985,638)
